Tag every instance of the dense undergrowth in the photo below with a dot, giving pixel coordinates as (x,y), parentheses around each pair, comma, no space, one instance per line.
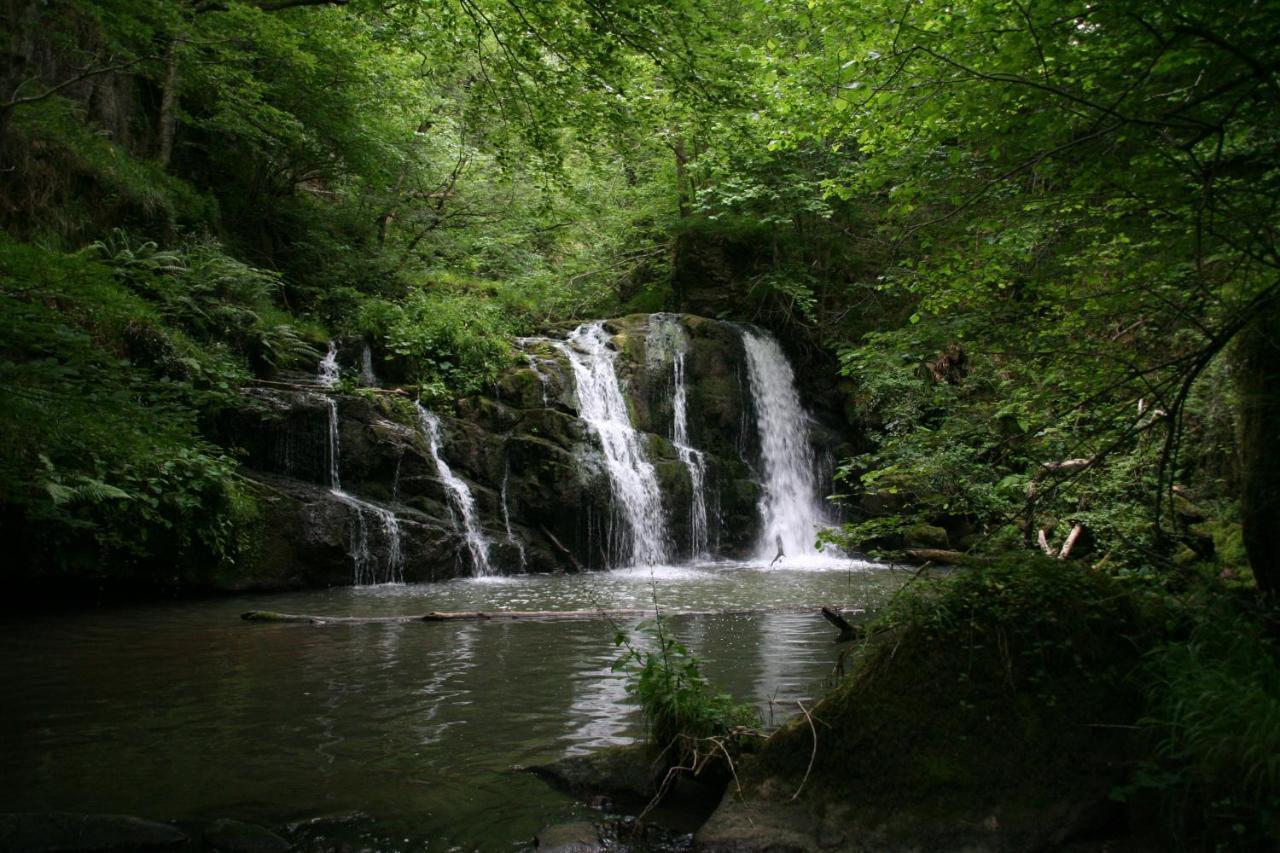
(1069,704)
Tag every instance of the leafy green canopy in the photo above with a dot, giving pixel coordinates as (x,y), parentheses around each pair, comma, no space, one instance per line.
(1073,204)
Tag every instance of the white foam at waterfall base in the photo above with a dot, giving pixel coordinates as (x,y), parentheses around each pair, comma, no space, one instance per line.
(459,496)
(790,508)
(632,477)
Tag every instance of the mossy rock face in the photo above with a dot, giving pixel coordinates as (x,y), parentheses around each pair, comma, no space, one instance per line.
(306,533)
(527,458)
(926,536)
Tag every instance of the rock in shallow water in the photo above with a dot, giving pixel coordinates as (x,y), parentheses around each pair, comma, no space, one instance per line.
(580,837)
(232,836)
(38,832)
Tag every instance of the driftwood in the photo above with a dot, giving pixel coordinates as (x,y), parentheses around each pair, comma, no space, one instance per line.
(943,557)
(1067,544)
(559,546)
(444,616)
(1070,541)
(847,631)
(504,615)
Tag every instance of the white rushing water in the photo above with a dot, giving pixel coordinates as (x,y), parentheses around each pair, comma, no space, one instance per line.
(368,569)
(790,508)
(459,496)
(694,462)
(367,376)
(329,370)
(668,340)
(636,497)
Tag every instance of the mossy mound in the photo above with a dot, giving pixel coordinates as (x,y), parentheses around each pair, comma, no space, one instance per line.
(992,709)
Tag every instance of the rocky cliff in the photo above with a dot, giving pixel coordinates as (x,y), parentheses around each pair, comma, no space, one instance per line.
(543,495)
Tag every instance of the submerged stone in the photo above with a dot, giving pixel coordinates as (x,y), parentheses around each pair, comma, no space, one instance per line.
(36,832)
(580,837)
(233,836)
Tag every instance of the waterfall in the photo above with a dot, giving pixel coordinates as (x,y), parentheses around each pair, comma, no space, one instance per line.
(367,569)
(512,539)
(635,483)
(367,376)
(532,361)
(694,462)
(668,340)
(790,506)
(329,370)
(459,496)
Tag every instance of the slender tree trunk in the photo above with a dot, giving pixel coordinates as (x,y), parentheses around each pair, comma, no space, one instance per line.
(168,105)
(682,176)
(1259,378)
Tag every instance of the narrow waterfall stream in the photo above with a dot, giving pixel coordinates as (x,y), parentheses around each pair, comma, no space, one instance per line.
(693,460)
(668,340)
(329,371)
(512,538)
(460,497)
(368,570)
(790,507)
(636,496)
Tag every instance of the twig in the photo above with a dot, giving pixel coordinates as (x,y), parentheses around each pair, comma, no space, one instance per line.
(813,755)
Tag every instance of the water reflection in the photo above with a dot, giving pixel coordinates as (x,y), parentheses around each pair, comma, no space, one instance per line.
(185,711)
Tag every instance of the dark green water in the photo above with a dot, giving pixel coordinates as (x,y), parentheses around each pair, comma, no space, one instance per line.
(184,712)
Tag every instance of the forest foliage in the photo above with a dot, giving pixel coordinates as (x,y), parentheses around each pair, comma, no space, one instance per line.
(1027,248)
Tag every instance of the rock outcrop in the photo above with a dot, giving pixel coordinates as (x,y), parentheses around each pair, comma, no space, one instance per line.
(535,471)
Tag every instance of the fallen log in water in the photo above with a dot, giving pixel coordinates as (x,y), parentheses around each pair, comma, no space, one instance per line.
(502,615)
(942,557)
(847,631)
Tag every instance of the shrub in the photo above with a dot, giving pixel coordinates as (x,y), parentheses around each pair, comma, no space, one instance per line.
(680,706)
(1214,711)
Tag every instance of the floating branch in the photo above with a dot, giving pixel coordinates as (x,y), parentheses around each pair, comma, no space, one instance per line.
(502,615)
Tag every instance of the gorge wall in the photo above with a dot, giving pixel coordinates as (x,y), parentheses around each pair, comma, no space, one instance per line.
(652,438)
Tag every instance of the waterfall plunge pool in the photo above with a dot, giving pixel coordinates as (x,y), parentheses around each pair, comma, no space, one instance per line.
(385,736)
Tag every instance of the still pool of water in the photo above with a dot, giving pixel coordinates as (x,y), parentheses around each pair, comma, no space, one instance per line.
(185,712)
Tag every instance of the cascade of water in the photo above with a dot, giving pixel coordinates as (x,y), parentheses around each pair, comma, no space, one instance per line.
(790,506)
(335,482)
(367,569)
(512,539)
(634,481)
(367,376)
(534,365)
(459,495)
(329,370)
(694,462)
(668,340)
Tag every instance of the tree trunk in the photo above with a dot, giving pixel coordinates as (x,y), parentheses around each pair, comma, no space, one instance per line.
(1258,366)
(168,121)
(682,177)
